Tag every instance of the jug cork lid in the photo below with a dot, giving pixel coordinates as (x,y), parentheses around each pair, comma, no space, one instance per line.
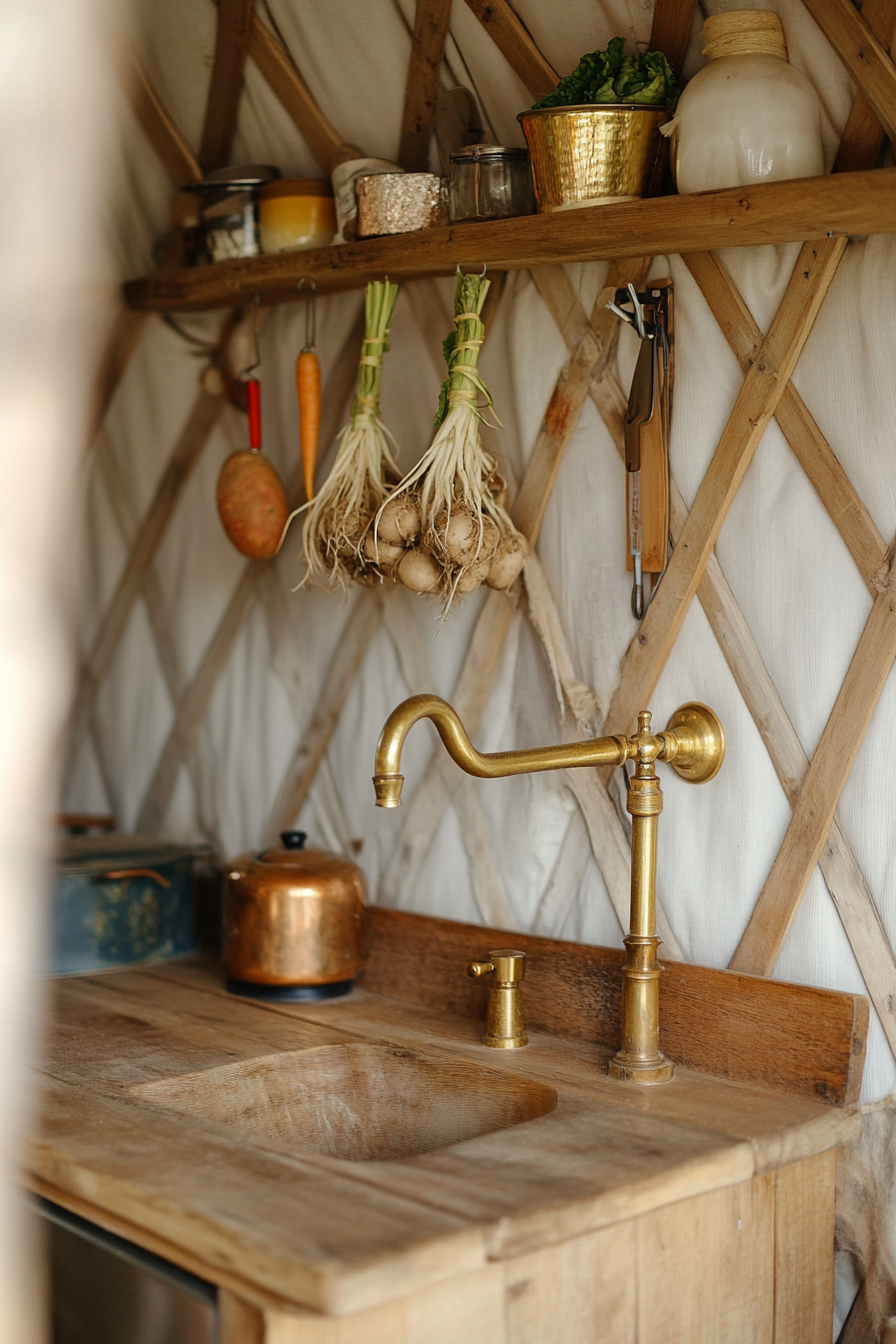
(744,32)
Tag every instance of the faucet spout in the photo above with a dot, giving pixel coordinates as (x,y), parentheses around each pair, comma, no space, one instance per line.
(388,779)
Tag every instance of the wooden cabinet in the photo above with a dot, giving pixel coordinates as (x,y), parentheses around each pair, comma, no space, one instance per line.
(699,1210)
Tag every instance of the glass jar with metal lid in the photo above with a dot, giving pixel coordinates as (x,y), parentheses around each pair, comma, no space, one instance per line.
(490,182)
(230,209)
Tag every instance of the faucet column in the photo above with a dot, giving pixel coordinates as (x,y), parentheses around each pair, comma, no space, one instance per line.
(639,1059)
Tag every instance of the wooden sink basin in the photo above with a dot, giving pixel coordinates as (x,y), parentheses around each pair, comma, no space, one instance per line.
(357,1102)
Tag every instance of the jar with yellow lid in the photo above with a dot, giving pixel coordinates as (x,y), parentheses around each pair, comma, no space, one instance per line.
(296,214)
(748,116)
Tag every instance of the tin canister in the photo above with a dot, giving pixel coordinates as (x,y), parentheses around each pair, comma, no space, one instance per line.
(122,901)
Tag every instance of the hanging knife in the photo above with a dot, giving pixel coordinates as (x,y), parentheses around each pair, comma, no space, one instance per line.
(641,406)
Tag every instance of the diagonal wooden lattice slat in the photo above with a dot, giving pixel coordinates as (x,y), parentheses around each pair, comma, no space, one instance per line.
(839,867)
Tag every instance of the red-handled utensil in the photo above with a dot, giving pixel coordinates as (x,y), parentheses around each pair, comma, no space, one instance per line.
(251,499)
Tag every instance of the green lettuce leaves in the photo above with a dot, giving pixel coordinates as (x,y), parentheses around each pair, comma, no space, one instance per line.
(612,77)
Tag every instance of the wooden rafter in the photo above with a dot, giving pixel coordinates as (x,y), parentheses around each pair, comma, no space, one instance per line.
(514,41)
(422,88)
(864,56)
(671,29)
(164,135)
(277,66)
(863,136)
(231,48)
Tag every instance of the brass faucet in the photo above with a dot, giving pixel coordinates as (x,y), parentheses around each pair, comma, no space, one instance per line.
(693,743)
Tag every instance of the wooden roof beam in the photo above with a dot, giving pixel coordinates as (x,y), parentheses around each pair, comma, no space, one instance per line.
(231,48)
(671,30)
(283,75)
(863,136)
(863,55)
(514,41)
(422,88)
(163,133)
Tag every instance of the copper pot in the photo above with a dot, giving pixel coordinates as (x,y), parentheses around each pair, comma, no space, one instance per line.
(294,923)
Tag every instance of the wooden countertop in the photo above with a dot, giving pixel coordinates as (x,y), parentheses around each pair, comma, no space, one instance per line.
(287,1227)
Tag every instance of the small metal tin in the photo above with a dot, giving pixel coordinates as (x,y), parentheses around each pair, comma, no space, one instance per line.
(490,182)
(230,209)
(122,900)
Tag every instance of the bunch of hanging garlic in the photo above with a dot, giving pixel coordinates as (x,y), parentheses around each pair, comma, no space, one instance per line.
(444,528)
(337,535)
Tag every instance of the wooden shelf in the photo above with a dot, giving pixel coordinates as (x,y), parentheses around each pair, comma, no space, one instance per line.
(780,212)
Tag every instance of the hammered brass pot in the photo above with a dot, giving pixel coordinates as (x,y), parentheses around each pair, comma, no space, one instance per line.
(294,923)
(603,152)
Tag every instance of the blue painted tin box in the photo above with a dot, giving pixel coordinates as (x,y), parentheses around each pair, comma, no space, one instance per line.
(122,900)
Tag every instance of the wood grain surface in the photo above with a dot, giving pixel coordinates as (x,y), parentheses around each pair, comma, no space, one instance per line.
(778,212)
(247,1200)
(810,1042)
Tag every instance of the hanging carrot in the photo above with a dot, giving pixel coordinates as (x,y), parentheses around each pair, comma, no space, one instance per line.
(308,389)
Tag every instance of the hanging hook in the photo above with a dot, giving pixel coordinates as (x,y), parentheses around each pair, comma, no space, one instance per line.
(310,313)
(256,298)
(457,270)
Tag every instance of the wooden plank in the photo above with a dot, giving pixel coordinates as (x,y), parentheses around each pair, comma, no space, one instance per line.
(863,136)
(804,1237)
(807,1042)
(240,1322)
(164,135)
(780,1127)
(192,440)
(779,900)
(286,81)
(431,21)
(671,30)
(730,1234)
(583,1290)
(209,1193)
(231,49)
(515,43)
(864,56)
(338,681)
(193,706)
(755,405)
(777,212)
(812,449)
